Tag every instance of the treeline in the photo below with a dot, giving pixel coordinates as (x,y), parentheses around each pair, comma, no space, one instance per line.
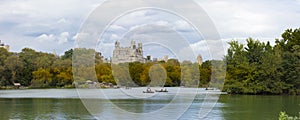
(252,68)
(34,69)
(259,68)
(44,70)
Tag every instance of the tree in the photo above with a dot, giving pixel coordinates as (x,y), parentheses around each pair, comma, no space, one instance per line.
(290,54)
(259,68)
(28,57)
(157,75)
(68,55)
(104,73)
(4,73)
(83,63)
(3,55)
(205,73)
(62,72)
(42,78)
(135,70)
(14,65)
(237,69)
(190,75)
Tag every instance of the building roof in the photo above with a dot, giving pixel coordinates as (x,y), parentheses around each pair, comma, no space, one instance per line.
(17,84)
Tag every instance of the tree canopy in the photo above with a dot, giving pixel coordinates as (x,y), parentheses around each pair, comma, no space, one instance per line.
(252,68)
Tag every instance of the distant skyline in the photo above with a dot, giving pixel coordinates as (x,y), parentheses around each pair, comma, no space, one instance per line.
(53,25)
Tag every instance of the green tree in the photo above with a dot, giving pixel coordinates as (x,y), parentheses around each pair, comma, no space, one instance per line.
(205,73)
(135,70)
(14,65)
(62,72)
(237,68)
(290,54)
(104,73)
(67,55)
(4,73)
(42,78)
(28,57)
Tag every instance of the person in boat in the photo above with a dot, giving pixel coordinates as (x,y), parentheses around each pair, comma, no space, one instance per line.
(148,89)
(162,90)
(165,90)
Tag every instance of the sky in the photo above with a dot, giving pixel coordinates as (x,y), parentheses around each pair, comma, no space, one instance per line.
(49,25)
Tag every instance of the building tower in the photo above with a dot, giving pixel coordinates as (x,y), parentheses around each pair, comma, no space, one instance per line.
(199,59)
(132,45)
(2,45)
(117,44)
(140,48)
(166,58)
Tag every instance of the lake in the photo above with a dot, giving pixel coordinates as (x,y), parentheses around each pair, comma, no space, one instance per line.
(178,103)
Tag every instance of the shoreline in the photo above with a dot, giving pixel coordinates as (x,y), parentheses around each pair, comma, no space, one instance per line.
(74,88)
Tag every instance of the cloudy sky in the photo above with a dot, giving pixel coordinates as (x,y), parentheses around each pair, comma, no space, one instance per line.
(49,25)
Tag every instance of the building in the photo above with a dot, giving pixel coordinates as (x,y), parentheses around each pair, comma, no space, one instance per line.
(2,45)
(17,85)
(165,58)
(132,53)
(199,59)
(107,60)
(148,59)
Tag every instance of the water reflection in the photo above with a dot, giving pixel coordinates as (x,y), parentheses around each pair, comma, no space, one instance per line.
(253,107)
(229,107)
(35,108)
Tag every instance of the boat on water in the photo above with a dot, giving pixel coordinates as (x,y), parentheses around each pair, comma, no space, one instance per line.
(209,89)
(148,91)
(162,90)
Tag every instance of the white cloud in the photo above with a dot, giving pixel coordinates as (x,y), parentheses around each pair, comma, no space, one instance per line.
(80,35)
(116,28)
(106,49)
(115,37)
(210,49)
(254,18)
(63,38)
(250,22)
(200,47)
(138,17)
(63,21)
(45,37)
(37,23)
(162,23)
(42,22)
(183,26)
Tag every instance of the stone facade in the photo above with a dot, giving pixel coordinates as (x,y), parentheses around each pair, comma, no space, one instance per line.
(199,59)
(132,53)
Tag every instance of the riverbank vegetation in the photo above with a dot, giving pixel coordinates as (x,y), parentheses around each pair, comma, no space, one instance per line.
(252,68)
(259,68)
(284,116)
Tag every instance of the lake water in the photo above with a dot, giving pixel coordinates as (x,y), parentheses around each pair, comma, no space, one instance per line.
(178,103)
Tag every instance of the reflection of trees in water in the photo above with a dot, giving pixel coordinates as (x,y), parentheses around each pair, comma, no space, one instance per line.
(42,108)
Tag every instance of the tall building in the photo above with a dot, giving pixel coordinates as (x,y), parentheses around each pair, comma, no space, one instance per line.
(132,53)
(166,58)
(2,45)
(199,59)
